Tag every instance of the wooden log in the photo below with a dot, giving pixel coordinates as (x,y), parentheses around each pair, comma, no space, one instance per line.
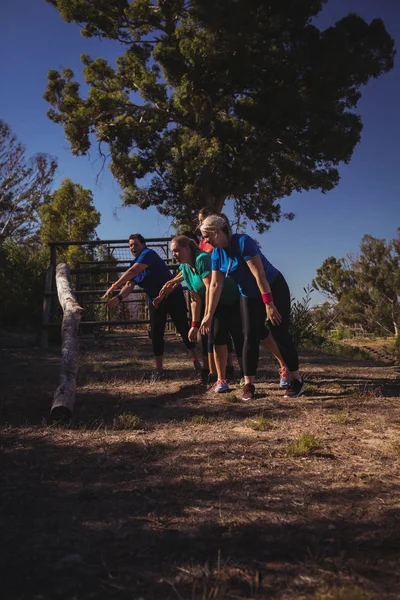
(64,397)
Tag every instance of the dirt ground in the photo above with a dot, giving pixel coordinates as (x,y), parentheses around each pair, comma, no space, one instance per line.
(161,490)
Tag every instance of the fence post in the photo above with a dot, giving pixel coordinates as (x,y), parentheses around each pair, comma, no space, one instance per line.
(46,307)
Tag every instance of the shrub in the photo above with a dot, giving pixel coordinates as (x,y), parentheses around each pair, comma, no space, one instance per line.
(306,444)
(301,319)
(22,276)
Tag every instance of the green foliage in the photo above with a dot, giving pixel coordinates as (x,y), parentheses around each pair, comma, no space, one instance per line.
(68,214)
(341,333)
(365,289)
(22,274)
(301,319)
(341,416)
(200,420)
(260,423)
(347,593)
(127,421)
(219,100)
(306,444)
(23,184)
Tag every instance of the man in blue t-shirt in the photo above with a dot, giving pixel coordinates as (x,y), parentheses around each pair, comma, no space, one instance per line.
(149,271)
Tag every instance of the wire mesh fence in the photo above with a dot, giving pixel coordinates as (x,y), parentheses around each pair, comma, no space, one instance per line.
(103,262)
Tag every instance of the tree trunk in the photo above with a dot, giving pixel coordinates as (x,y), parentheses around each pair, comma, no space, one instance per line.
(64,397)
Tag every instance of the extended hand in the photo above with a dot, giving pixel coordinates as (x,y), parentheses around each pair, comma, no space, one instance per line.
(108,292)
(273,314)
(113,302)
(156,301)
(193,334)
(205,325)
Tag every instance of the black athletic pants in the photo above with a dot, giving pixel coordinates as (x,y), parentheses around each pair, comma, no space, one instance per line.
(227,324)
(253,317)
(174,306)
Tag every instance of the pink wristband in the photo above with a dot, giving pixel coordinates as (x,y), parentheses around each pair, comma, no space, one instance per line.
(196,324)
(267,298)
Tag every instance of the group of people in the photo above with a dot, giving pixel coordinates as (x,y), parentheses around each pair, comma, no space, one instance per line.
(237,298)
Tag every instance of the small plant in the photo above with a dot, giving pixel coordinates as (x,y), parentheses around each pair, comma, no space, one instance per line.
(340,594)
(396,449)
(310,389)
(341,333)
(305,445)
(127,421)
(365,392)
(333,386)
(200,420)
(230,397)
(342,417)
(260,423)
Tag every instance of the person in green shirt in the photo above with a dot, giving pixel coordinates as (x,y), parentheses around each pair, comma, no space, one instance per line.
(195,268)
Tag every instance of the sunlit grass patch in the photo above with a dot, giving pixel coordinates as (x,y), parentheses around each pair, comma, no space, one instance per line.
(338,387)
(305,445)
(364,392)
(341,416)
(340,594)
(396,449)
(310,389)
(127,421)
(260,423)
(200,420)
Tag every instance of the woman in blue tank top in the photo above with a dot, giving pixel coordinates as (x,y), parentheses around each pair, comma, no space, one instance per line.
(264,294)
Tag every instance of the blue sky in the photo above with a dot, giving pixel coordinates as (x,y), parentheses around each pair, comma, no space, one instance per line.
(34,39)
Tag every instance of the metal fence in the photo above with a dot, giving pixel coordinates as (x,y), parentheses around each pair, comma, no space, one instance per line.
(104,262)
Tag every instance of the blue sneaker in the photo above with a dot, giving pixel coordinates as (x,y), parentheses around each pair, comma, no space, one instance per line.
(221,386)
(286,378)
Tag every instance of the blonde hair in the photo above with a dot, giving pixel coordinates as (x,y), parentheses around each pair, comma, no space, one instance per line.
(184,241)
(215,223)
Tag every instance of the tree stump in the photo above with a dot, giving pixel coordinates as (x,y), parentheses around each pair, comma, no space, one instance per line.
(64,397)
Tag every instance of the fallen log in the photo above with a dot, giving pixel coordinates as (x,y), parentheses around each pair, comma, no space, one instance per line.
(64,397)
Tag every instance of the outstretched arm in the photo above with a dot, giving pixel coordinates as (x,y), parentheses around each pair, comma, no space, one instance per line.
(168,288)
(127,276)
(124,293)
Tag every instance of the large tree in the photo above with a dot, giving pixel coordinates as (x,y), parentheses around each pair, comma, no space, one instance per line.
(23,184)
(68,214)
(219,99)
(365,289)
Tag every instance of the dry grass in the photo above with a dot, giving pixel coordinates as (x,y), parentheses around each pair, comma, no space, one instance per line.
(159,490)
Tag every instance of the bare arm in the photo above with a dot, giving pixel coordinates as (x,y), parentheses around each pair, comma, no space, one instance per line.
(217,282)
(124,293)
(127,276)
(256,267)
(195,307)
(168,288)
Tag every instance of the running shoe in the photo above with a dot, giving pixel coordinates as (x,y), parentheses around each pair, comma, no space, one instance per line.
(249,392)
(205,374)
(286,378)
(197,367)
(221,386)
(295,389)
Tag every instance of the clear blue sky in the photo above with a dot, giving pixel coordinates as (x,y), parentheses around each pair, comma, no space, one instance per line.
(34,39)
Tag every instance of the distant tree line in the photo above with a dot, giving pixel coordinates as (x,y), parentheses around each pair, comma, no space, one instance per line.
(31,215)
(362,289)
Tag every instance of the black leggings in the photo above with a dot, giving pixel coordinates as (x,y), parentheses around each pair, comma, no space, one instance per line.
(227,324)
(253,317)
(174,306)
